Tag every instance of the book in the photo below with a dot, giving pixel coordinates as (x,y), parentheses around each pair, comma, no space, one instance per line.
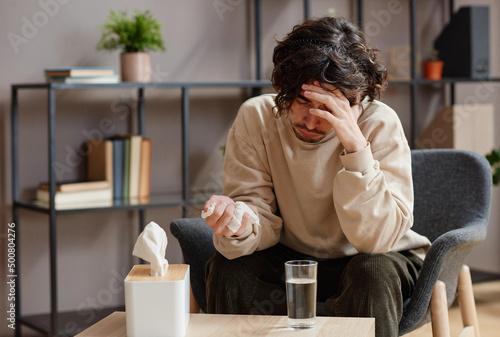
(84,79)
(75,198)
(100,160)
(78,186)
(80,71)
(126,168)
(145,170)
(130,164)
(135,165)
(83,205)
(118,167)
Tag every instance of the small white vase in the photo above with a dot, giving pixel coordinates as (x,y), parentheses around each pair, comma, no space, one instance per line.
(135,67)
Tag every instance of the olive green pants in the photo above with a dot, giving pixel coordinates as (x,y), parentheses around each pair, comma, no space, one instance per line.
(363,285)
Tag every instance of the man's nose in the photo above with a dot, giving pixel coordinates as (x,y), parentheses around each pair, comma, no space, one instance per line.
(311,121)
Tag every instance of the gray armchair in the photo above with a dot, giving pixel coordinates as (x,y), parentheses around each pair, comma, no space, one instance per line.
(452,201)
(195,239)
(452,191)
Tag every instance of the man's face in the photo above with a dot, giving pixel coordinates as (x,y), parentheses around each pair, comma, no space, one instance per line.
(306,126)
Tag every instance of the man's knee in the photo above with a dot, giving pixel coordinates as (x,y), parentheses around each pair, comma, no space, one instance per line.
(243,286)
(221,268)
(372,270)
(222,288)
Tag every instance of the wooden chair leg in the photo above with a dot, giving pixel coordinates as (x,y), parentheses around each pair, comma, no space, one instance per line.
(193,306)
(466,300)
(439,311)
(468,331)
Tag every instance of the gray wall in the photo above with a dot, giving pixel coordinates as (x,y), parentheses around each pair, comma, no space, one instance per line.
(203,44)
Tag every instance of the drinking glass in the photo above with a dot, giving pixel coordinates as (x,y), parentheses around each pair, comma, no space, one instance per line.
(301,293)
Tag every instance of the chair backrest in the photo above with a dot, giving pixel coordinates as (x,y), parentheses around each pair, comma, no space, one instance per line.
(452,188)
(196,241)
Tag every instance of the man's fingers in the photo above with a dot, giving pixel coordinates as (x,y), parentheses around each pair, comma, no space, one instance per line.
(245,223)
(322,89)
(330,99)
(325,93)
(222,215)
(224,230)
(329,116)
(220,209)
(217,199)
(330,103)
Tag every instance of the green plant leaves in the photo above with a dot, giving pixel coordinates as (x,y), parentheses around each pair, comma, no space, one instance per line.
(494,159)
(140,33)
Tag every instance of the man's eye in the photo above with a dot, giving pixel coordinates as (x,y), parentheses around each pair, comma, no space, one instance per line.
(302,102)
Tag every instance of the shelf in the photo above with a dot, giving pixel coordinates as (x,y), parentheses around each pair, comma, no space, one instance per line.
(155,200)
(448,80)
(222,84)
(479,276)
(69,322)
(70,86)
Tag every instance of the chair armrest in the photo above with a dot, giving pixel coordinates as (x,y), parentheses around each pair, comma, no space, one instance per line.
(443,261)
(196,242)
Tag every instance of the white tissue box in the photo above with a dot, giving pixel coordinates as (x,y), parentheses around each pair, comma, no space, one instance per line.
(157,305)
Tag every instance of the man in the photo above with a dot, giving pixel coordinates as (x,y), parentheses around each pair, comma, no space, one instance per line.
(326,169)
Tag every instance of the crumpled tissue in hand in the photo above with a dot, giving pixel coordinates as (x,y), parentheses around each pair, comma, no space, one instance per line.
(240,208)
(151,246)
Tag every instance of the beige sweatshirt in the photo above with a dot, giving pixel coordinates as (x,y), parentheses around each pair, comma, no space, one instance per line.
(314,198)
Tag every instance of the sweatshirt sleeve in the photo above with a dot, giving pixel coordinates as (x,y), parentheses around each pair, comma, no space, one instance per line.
(373,195)
(246,178)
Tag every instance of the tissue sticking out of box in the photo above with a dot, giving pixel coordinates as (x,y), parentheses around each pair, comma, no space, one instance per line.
(151,246)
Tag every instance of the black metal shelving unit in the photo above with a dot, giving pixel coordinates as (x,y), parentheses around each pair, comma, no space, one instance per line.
(415,82)
(54,323)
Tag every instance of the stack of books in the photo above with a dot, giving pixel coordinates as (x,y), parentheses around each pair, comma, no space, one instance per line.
(124,161)
(77,194)
(118,170)
(81,75)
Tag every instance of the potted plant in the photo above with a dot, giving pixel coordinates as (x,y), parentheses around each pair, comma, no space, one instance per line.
(494,160)
(135,37)
(433,67)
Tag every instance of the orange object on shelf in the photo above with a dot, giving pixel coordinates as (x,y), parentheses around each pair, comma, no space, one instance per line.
(433,70)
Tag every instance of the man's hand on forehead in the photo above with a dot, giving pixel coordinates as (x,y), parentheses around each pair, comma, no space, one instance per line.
(337,110)
(328,95)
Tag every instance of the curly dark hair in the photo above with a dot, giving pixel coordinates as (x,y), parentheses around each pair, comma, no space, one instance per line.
(331,51)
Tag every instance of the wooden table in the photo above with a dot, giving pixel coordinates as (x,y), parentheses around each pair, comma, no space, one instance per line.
(245,325)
